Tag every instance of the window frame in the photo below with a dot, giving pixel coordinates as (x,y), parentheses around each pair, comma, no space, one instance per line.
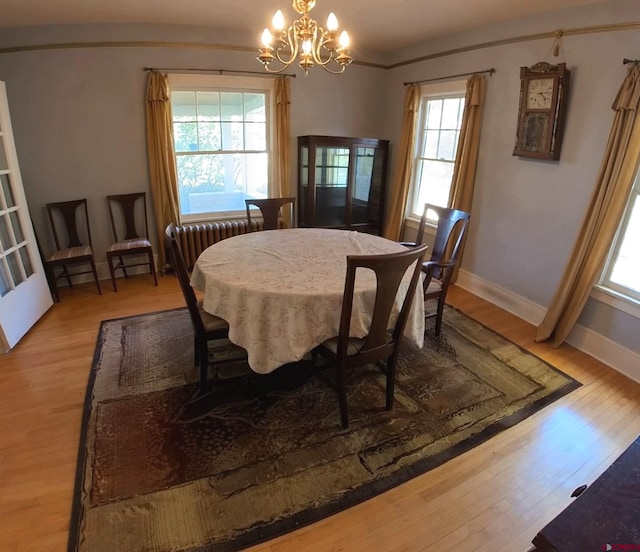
(181,82)
(428,91)
(606,291)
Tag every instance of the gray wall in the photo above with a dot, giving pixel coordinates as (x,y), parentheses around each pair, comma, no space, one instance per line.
(78,118)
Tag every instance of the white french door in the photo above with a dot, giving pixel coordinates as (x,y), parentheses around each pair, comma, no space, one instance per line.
(24,292)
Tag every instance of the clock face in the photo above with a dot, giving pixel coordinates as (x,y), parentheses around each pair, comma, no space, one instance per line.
(539,93)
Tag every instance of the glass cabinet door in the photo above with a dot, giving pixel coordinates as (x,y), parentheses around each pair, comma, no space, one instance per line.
(332,180)
(306,218)
(341,182)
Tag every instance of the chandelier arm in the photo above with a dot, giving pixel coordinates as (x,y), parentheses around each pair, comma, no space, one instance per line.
(287,41)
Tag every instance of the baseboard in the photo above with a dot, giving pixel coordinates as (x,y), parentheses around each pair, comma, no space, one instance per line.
(620,358)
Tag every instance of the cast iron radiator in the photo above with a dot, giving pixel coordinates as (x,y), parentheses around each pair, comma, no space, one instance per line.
(193,239)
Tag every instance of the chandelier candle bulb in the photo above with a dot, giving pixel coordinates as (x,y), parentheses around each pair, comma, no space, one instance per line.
(305,41)
(332,22)
(278,21)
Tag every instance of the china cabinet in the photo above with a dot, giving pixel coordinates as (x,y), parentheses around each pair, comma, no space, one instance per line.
(341,182)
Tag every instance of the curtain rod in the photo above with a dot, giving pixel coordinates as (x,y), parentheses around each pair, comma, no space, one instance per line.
(490,71)
(220,71)
(627,60)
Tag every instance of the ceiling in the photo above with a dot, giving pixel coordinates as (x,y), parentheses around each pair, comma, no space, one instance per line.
(379,25)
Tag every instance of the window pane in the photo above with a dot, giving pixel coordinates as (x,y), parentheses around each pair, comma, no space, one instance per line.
(434,184)
(232,106)
(627,265)
(446,148)
(208,106)
(232,136)
(221,182)
(209,136)
(183,106)
(434,113)
(254,108)
(255,135)
(185,136)
(431,144)
(450,114)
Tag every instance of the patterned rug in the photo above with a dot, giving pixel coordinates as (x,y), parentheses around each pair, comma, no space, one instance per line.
(163,469)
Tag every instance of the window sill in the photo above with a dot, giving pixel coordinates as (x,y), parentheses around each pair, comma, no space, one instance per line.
(616,300)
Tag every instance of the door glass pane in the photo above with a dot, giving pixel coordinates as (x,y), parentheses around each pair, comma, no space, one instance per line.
(3,156)
(5,283)
(7,191)
(26,261)
(17,229)
(5,236)
(14,262)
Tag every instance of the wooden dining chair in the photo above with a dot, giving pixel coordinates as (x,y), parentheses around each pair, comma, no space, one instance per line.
(130,235)
(270,209)
(206,327)
(450,232)
(72,237)
(381,345)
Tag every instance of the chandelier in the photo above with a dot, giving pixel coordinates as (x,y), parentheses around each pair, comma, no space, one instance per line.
(306,39)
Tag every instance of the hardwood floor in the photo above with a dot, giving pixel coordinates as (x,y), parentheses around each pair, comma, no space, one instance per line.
(492,498)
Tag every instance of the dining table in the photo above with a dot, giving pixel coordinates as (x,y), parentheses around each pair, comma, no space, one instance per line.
(281,291)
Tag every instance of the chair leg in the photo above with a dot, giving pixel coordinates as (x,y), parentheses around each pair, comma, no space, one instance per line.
(95,276)
(112,271)
(124,268)
(342,397)
(439,315)
(66,275)
(204,364)
(54,286)
(391,380)
(152,267)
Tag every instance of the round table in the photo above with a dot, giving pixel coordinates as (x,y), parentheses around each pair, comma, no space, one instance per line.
(281,290)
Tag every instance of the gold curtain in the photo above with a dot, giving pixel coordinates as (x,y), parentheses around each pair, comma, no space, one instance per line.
(400,187)
(613,185)
(464,172)
(160,154)
(282,139)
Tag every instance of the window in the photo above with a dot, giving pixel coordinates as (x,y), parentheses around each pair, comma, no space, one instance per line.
(222,136)
(437,133)
(622,269)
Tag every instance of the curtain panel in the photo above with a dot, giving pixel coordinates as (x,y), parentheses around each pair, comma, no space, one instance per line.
(464,172)
(283,140)
(613,185)
(402,181)
(160,153)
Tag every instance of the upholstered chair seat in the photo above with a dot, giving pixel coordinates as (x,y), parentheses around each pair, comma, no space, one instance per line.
(127,245)
(71,252)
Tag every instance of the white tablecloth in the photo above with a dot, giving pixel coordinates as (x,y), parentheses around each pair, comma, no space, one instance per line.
(281,290)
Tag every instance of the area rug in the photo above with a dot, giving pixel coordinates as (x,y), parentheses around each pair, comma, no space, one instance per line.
(161,468)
